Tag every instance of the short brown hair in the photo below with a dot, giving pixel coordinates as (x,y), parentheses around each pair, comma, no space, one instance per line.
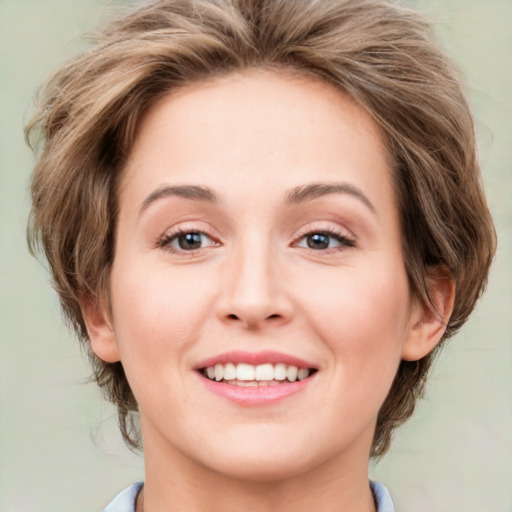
(379,53)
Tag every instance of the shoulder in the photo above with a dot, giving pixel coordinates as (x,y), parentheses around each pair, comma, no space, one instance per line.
(125,500)
(382,498)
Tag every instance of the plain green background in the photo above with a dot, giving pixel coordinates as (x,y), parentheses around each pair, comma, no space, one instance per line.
(59,446)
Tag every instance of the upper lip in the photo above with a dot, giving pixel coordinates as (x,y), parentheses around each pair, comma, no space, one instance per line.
(254,358)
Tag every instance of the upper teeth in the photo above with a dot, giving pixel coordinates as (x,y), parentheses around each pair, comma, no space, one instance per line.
(262,372)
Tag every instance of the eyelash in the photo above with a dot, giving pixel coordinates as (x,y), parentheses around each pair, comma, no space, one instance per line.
(339,236)
(165,241)
(345,242)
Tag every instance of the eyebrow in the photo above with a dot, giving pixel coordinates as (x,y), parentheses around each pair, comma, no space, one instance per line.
(316,190)
(194,192)
(297,195)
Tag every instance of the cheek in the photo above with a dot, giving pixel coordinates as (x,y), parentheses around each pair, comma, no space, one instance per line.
(363,317)
(157,311)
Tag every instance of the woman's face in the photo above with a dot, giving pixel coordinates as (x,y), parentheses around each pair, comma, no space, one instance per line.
(258,238)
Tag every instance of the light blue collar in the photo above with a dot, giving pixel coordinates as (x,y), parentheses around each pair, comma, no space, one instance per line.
(125,500)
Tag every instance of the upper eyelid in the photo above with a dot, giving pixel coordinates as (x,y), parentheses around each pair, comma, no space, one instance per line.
(190,227)
(324,228)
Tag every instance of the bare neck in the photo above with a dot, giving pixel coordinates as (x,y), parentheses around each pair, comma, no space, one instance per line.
(175,483)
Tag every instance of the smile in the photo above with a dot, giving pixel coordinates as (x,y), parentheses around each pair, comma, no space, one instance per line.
(248,375)
(256,379)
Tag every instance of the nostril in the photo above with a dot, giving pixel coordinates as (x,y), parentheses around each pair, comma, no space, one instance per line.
(274,316)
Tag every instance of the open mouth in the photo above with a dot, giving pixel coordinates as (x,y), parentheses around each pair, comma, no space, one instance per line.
(248,375)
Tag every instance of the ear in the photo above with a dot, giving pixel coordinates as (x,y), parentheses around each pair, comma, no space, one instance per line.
(99,328)
(428,325)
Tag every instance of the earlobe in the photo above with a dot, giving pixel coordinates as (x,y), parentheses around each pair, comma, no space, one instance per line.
(99,328)
(428,325)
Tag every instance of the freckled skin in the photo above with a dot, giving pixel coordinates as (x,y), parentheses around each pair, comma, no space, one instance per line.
(255,284)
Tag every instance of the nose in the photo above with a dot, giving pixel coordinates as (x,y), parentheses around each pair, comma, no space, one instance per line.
(254,293)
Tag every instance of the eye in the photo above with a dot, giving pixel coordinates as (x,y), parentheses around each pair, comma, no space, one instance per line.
(186,241)
(324,240)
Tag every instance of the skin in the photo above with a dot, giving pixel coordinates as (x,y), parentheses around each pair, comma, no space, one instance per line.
(254,284)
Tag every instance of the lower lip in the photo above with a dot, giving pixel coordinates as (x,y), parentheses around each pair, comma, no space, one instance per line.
(256,395)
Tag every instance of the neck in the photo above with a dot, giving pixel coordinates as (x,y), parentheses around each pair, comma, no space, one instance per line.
(176,482)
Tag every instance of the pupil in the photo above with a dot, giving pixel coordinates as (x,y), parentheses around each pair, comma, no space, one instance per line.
(318,241)
(190,241)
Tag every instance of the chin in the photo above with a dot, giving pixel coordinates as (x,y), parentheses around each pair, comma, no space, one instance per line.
(263,469)
(266,459)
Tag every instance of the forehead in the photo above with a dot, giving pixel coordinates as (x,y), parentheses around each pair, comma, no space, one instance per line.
(257,128)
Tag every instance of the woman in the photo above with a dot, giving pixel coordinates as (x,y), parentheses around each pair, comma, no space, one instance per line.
(263,219)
